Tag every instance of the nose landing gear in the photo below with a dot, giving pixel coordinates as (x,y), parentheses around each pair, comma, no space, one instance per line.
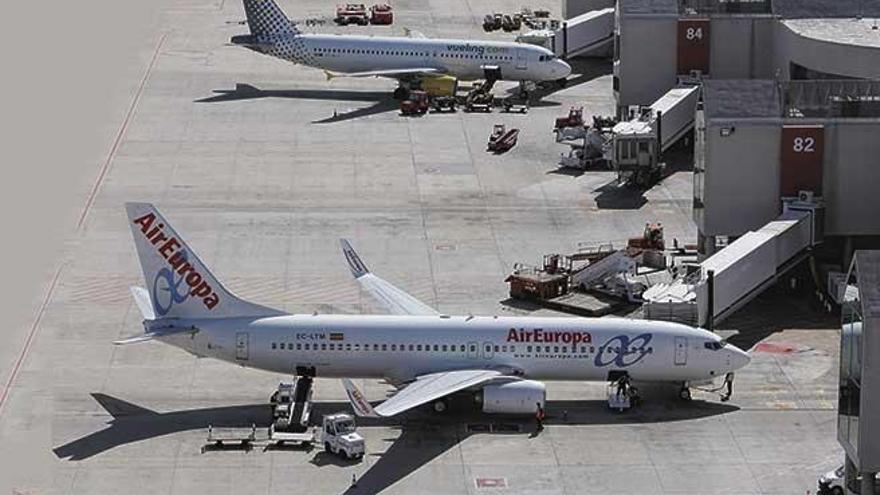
(685,393)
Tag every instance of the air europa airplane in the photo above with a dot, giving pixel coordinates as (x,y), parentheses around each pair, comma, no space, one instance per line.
(407,59)
(426,355)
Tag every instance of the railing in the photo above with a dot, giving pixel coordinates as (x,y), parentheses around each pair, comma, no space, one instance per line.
(725,6)
(831,98)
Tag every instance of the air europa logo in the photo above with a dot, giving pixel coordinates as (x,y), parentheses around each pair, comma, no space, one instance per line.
(624,351)
(540,335)
(170,248)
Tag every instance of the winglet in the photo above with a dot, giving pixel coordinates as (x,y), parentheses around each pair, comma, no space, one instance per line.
(357,267)
(358,402)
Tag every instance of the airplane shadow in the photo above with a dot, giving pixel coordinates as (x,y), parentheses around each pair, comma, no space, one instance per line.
(423,437)
(382,101)
(132,423)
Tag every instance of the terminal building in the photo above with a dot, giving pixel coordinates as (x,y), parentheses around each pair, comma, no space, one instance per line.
(791,107)
(785,135)
(759,143)
(659,40)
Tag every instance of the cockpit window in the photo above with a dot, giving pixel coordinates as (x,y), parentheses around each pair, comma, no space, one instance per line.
(713,346)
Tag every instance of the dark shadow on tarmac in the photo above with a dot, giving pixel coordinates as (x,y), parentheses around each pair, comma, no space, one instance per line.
(133,423)
(382,100)
(775,310)
(424,435)
(617,196)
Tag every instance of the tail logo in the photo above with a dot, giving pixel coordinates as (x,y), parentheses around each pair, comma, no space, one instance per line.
(173,250)
(171,287)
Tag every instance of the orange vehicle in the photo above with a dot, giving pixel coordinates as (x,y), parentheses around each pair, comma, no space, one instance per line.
(381,14)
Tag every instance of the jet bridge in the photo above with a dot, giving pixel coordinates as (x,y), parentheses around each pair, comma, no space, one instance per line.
(740,272)
(581,35)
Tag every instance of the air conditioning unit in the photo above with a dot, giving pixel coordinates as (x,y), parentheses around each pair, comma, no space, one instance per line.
(805,196)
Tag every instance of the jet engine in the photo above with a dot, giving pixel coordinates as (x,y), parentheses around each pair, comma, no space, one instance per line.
(517,397)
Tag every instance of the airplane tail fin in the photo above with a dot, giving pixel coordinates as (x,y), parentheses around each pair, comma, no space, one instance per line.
(264,17)
(179,285)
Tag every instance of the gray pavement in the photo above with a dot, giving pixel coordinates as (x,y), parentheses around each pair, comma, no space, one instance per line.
(262,180)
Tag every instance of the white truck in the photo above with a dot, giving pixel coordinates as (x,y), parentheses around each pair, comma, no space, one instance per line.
(338,433)
(340,436)
(832,483)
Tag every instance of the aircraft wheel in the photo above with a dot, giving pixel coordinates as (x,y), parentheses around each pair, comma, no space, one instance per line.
(439,406)
(684,394)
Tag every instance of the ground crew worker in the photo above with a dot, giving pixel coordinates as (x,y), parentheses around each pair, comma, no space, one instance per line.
(539,417)
(621,386)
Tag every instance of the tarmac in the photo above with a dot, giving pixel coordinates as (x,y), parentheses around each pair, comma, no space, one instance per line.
(262,166)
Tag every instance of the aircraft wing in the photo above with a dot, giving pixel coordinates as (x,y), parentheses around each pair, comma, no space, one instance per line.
(392,73)
(394,300)
(422,390)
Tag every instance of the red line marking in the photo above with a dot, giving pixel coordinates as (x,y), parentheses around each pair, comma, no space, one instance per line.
(30,338)
(113,149)
(79,225)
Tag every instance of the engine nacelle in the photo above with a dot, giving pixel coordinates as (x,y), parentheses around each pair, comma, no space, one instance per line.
(519,397)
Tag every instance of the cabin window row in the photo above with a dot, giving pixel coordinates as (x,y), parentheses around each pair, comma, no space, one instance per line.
(409,54)
(383,347)
(427,348)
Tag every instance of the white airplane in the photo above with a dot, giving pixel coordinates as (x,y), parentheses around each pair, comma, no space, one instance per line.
(407,59)
(427,355)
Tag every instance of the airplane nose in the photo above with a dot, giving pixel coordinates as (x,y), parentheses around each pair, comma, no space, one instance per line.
(564,68)
(738,357)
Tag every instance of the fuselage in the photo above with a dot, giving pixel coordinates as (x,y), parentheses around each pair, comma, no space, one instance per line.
(399,348)
(464,59)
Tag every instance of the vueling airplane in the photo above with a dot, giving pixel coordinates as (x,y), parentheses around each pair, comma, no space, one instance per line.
(426,355)
(407,59)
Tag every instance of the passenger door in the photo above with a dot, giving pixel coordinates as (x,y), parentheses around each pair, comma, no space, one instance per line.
(681,351)
(473,350)
(241,346)
(522,61)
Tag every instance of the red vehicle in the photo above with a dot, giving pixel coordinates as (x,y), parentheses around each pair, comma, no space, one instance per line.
(575,118)
(502,139)
(416,103)
(351,13)
(381,14)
